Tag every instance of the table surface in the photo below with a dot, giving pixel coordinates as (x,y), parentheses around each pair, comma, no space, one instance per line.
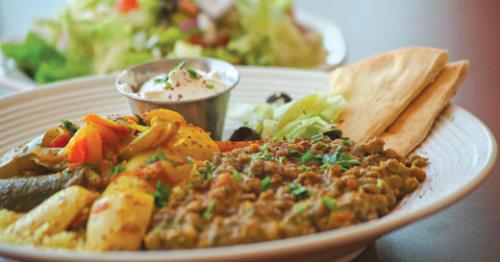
(470,229)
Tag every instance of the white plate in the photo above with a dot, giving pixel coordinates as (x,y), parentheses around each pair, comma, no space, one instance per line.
(333,41)
(461,150)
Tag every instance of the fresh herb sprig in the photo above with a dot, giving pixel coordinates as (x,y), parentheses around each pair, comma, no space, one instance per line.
(161,194)
(299,191)
(72,127)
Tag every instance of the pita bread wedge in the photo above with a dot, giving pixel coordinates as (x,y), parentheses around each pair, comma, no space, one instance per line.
(412,126)
(379,88)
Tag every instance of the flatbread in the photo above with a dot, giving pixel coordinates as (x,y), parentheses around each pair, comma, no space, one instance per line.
(414,124)
(379,88)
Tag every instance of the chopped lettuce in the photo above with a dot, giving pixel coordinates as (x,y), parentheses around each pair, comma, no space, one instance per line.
(270,37)
(96,36)
(303,118)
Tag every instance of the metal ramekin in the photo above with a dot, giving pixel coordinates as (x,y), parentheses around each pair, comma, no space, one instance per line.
(208,112)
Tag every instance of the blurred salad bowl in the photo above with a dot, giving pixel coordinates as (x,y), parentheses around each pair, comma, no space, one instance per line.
(197,88)
(95,37)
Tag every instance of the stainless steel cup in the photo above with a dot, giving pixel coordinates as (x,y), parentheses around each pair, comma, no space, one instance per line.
(208,112)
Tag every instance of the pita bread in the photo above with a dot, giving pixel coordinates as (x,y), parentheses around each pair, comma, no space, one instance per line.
(412,126)
(379,88)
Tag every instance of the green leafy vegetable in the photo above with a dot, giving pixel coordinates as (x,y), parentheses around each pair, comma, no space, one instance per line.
(317,138)
(299,191)
(330,203)
(237,176)
(207,213)
(299,208)
(161,194)
(345,161)
(181,64)
(192,73)
(140,120)
(307,156)
(117,169)
(265,183)
(72,127)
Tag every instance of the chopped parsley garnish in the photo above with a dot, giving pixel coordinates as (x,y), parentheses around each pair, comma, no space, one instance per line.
(267,156)
(265,183)
(264,148)
(168,86)
(161,194)
(330,203)
(70,126)
(299,191)
(317,138)
(210,86)
(292,151)
(115,170)
(160,155)
(181,64)
(207,172)
(337,157)
(299,208)
(237,176)
(207,213)
(306,156)
(192,73)
(140,120)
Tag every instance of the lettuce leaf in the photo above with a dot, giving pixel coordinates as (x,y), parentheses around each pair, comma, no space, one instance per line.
(303,118)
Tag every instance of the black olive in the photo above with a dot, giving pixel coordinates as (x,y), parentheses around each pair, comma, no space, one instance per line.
(244,134)
(277,96)
(333,134)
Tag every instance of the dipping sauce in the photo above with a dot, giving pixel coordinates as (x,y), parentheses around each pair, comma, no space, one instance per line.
(182,84)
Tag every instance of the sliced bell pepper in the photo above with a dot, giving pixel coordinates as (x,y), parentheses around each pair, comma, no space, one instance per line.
(120,129)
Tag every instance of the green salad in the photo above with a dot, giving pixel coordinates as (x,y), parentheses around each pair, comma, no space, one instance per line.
(100,36)
(282,118)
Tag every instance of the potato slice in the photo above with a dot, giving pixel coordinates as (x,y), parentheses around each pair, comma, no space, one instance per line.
(58,212)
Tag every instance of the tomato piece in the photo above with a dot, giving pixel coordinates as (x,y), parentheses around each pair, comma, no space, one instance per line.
(120,129)
(188,7)
(126,6)
(61,140)
(108,137)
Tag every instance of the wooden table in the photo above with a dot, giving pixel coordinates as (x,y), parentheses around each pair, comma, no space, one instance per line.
(470,229)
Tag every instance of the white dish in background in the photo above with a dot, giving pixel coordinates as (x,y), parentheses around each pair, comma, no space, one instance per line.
(333,40)
(461,150)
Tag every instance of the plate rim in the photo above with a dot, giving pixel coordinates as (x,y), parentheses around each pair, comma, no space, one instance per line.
(338,237)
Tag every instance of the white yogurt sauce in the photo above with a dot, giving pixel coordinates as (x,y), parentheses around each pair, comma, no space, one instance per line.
(182,84)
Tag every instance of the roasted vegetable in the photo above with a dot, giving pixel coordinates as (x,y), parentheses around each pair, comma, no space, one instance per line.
(29,157)
(56,213)
(191,141)
(159,133)
(23,194)
(119,219)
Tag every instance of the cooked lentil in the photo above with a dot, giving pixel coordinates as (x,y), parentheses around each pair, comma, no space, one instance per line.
(284,189)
